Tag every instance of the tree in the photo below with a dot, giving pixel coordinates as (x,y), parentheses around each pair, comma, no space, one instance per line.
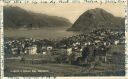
(85,52)
(61,58)
(71,58)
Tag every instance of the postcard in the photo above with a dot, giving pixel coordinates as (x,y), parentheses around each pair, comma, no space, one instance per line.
(64,39)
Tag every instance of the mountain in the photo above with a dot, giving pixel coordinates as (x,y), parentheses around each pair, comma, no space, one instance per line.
(97,19)
(16,17)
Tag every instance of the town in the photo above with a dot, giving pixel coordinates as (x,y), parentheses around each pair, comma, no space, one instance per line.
(79,49)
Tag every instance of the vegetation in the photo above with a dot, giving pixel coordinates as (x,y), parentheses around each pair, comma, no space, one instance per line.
(97,19)
(16,17)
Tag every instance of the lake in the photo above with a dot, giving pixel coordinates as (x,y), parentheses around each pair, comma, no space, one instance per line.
(43,33)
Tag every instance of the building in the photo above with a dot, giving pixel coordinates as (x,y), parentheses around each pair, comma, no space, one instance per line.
(32,50)
(69,51)
(49,48)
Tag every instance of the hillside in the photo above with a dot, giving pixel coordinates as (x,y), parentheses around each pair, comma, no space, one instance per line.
(96,19)
(16,17)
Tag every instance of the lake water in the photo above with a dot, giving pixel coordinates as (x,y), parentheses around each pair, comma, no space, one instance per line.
(43,33)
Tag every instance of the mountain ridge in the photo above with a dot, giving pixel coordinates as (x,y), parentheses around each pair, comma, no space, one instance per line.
(16,17)
(97,19)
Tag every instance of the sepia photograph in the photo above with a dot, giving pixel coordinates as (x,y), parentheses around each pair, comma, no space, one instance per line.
(64,40)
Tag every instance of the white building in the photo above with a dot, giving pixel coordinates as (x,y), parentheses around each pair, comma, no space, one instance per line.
(32,50)
(116,42)
(49,48)
(14,51)
(44,53)
(69,51)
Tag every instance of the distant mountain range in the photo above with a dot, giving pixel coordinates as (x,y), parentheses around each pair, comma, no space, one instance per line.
(16,17)
(97,19)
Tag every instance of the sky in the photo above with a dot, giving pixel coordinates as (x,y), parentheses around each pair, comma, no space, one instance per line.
(72,11)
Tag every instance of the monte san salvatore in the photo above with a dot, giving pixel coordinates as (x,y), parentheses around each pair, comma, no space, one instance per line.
(97,19)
